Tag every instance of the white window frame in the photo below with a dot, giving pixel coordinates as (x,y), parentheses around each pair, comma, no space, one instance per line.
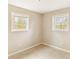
(53,23)
(13,14)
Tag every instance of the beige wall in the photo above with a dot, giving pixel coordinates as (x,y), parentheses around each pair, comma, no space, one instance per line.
(56,38)
(21,40)
(40,30)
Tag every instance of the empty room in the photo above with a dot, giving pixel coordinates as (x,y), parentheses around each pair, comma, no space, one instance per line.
(38,29)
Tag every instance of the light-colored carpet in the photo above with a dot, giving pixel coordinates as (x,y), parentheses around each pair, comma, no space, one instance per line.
(41,52)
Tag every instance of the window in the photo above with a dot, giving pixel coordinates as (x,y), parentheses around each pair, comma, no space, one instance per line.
(60,23)
(20,22)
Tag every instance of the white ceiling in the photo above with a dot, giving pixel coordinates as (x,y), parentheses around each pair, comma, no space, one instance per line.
(42,7)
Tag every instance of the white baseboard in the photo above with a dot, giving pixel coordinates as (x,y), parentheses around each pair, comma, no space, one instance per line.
(23,49)
(61,49)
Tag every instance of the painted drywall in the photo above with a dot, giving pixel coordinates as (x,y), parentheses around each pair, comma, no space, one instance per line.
(24,39)
(40,30)
(55,38)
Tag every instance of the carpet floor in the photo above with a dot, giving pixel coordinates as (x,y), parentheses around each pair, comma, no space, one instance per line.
(41,52)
